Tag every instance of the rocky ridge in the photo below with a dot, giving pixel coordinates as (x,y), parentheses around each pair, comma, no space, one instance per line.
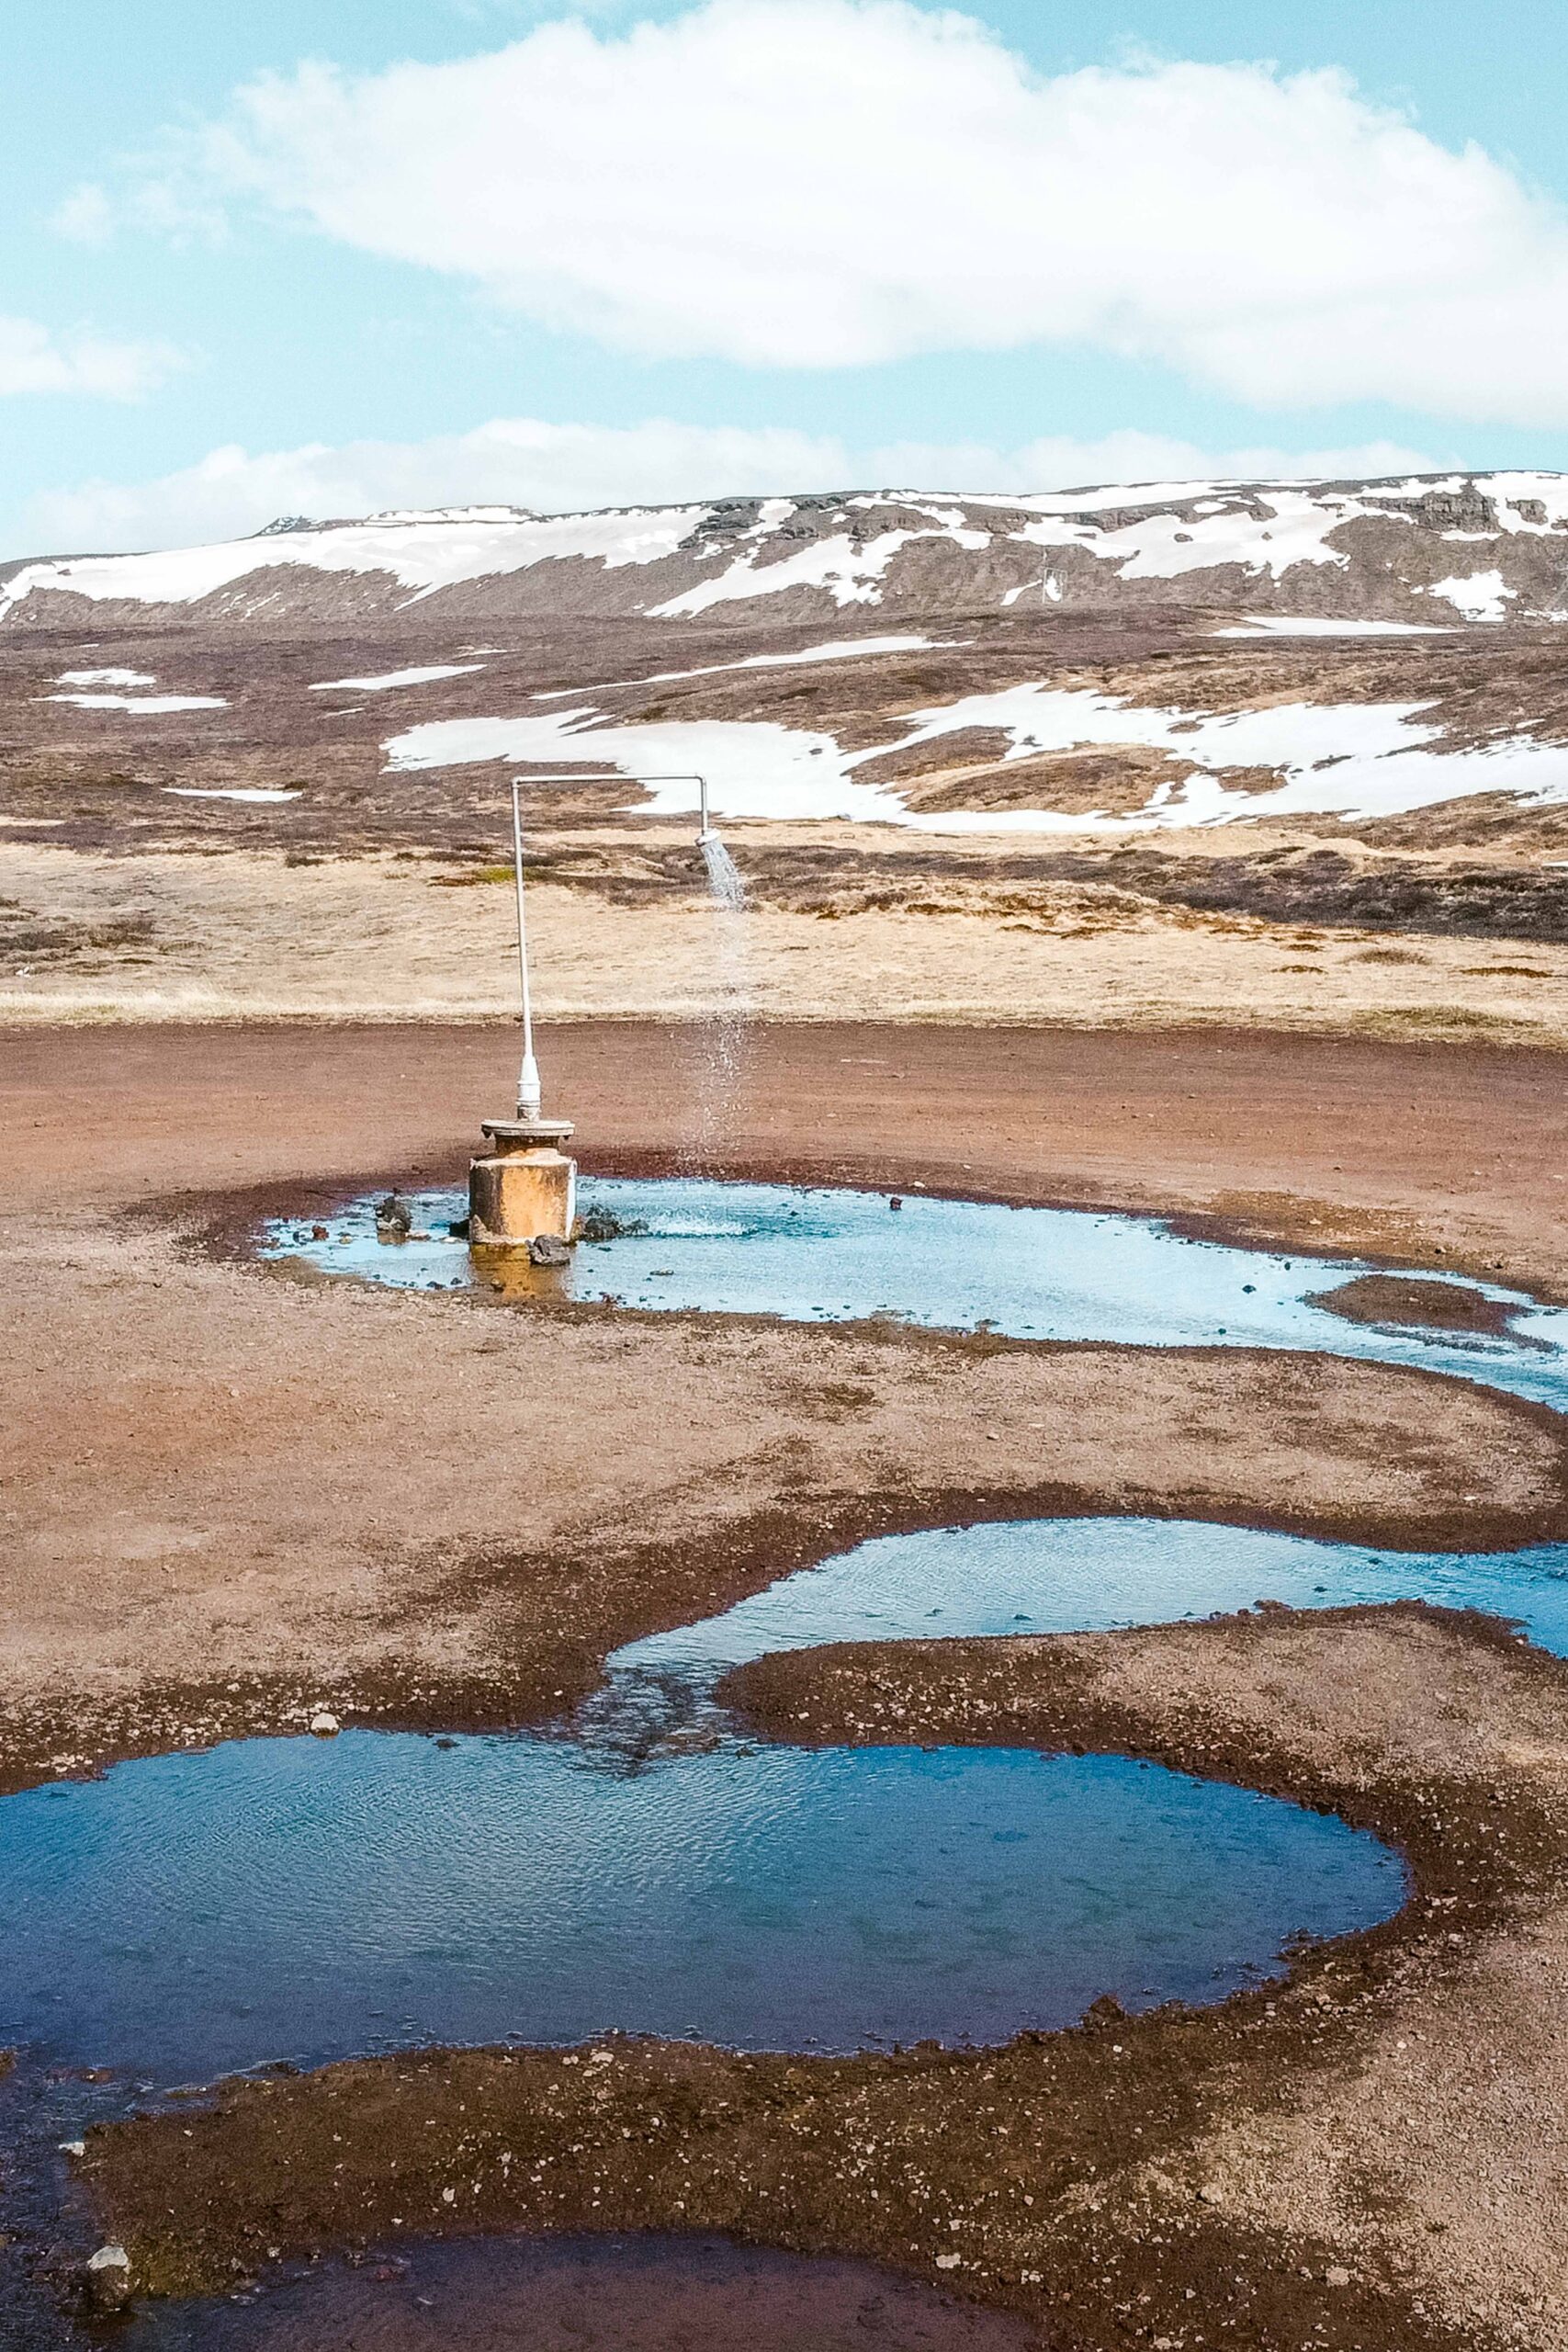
(1418,552)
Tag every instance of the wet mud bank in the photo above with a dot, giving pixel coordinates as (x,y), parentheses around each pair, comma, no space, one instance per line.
(1402,1301)
(1084,2180)
(611,2293)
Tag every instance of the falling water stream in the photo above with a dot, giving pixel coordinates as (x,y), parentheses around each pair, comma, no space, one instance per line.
(723,1039)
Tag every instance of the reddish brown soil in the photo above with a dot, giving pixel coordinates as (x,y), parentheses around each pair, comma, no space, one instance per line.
(1447,1155)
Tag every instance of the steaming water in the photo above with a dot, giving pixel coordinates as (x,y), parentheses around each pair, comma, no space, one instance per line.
(829,1256)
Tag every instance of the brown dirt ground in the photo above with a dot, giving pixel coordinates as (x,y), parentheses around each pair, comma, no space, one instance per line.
(1423,1305)
(1454,1156)
(213,1476)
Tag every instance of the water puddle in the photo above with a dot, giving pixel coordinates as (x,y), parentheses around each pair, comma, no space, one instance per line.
(611,2293)
(280,1899)
(649,1868)
(1065,1575)
(832,1256)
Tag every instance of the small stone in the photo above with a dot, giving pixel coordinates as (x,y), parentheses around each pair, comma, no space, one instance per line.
(548,1249)
(318,1233)
(1336,2275)
(948,2261)
(74,2147)
(325,1724)
(109,2278)
(458,1229)
(394,1217)
(894,1201)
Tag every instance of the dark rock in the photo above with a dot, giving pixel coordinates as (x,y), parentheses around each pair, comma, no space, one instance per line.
(106,2279)
(394,1217)
(458,1229)
(546,1249)
(602,1225)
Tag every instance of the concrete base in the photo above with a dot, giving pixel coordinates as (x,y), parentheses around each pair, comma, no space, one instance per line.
(524,1186)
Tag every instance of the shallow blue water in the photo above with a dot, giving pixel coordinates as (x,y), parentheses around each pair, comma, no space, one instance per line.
(1058,1576)
(648,1870)
(299,1899)
(827,1256)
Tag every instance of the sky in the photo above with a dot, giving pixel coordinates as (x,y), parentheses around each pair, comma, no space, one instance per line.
(277,258)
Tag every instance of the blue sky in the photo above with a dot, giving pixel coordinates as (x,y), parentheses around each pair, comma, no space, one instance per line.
(191,273)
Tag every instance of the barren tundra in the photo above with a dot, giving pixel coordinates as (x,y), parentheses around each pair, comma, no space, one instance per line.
(1123,756)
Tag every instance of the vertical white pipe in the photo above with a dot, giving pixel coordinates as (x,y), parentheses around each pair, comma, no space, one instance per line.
(703,797)
(528,1095)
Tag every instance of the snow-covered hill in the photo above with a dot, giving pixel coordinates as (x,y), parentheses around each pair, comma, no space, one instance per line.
(1429,552)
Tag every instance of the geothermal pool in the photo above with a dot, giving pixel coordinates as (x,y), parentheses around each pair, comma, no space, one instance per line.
(818,1255)
(647,1867)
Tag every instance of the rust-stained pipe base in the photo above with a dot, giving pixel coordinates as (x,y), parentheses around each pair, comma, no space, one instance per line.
(524,1187)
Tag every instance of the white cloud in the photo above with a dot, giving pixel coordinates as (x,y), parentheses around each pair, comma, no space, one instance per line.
(837,182)
(565,467)
(87,216)
(34,359)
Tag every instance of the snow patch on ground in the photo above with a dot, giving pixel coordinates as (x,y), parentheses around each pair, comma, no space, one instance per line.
(105,678)
(231,792)
(754,768)
(850,574)
(389,678)
(142,702)
(1480,597)
(1345,759)
(1282,528)
(421,552)
(1281,624)
(846,649)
